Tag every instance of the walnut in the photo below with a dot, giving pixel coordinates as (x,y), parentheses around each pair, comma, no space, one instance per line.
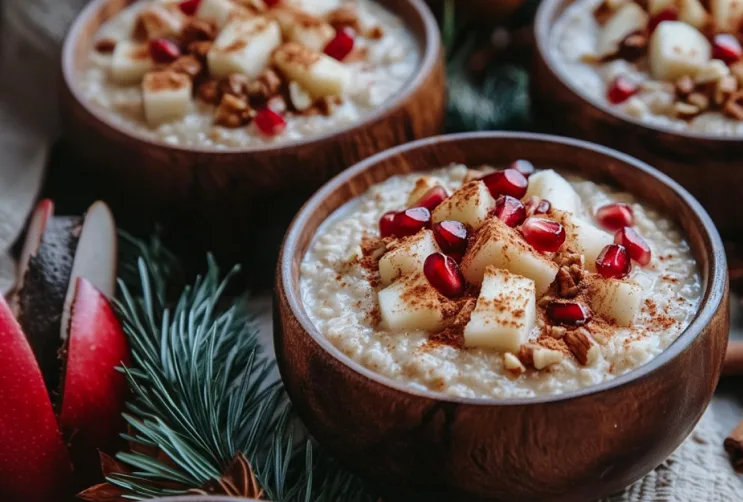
(345,16)
(513,365)
(569,258)
(582,346)
(699,100)
(198,30)
(686,110)
(232,112)
(567,286)
(105,45)
(199,49)
(538,357)
(734,106)
(235,85)
(684,86)
(265,86)
(187,65)
(725,87)
(208,92)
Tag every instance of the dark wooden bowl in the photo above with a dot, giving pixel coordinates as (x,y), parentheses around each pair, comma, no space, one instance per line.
(708,166)
(573,447)
(229,201)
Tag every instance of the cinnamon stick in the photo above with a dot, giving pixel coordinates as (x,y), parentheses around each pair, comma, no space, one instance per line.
(733,359)
(734,447)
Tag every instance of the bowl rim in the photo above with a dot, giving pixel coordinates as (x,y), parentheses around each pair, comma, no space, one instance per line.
(709,304)
(543,28)
(430,47)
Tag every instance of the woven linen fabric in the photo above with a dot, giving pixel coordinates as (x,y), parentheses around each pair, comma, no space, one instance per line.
(32,34)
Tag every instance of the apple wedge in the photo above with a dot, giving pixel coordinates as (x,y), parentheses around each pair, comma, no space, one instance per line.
(34,463)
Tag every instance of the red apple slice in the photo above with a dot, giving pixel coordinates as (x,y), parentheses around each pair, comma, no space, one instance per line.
(93,392)
(34,463)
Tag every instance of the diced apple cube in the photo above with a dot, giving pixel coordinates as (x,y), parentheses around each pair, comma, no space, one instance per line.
(408,257)
(727,15)
(218,12)
(628,19)
(590,241)
(501,246)
(677,49)
(505,312)
(130,62)
(160,21)
(411,303)
(470,205)
(244,46)
(166,96)
(557,190)
(305,29)
(422,185)
(615,299)
(321,75)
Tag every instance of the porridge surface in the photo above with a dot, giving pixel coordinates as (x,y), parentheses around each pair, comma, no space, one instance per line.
(390,64)
(338,298)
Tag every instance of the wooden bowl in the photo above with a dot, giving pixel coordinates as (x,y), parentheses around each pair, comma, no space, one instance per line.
(228,201)
(708,166)
(573,447)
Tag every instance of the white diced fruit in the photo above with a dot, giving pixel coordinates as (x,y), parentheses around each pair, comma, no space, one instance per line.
(160,21)
(470,205)
(408,257)
(614,299)
(692,12)
(130,62)
(244,46)
(305,29)
(677,49)
(628,19)
(727,14)
(499,245)
(217,12)
(557,190)
(166,96)
(411,303)
(584,238)
(505,312)
(321,75)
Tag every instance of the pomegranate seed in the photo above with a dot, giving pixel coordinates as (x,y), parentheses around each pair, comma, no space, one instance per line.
(269,122)
(615,216)
(411,221)
(189,7)
(443,273)
(523,166)
(613,262)
(432,198)
(636,246)
(535,205)
(341,45)
(620,90)
(387,224)
(163,50)
(451,237)
(544,235)
(568,313)
(669,14)
(726,47)
(271,3)
(506,182)
(510,211)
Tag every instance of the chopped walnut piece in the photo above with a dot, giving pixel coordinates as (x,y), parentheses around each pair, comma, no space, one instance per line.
(265,86)
(699,100)
(684,86)
(513,365)
(539,357)
(633,46)
(232,112)
(200,49)
(569,258)
(105,45)
(567,286)
(583,346)
(236,85)
(188,65)
(208,92)
(374,33)
(686,110)
(725,87)
(734,106)
(345,16)
(198,30)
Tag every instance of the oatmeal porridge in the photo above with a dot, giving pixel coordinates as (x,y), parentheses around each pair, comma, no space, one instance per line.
(499,283)
(670,63)
(234,73)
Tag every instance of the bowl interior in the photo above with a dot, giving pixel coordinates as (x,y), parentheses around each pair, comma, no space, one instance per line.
(81,37)
(590,161)
(547,15)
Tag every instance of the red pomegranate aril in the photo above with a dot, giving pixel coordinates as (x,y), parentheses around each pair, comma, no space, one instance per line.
(432,198)
(189,7)
(163,50)
(535,205)
(510,211)
(544,235)
(726,47)
(451,236)
(506,182)
(523,166)
(669,14)
(443,274)
(271,3)
(636,246)
(620,90)
(615,216)
(269,122)
(411,221)
(613,262)
(341,45)
(387,224)
(568,313)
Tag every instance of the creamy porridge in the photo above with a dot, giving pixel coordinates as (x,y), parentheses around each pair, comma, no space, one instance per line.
(530,299)
(233,73)
(671,63)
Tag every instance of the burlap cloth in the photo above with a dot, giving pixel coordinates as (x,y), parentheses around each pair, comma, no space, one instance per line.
(31,34)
